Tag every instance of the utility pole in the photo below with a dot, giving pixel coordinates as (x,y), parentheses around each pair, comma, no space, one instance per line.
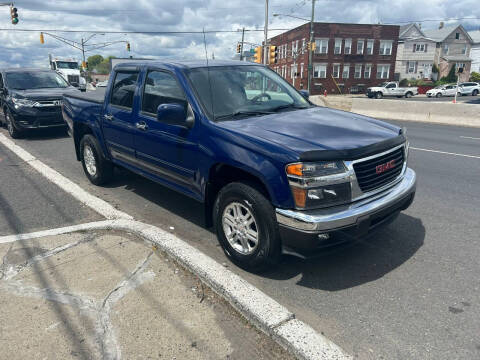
(241,46)
(83,53)
(310,51)
(265,45)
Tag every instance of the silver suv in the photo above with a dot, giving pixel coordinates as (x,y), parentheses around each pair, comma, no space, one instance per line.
(469,88)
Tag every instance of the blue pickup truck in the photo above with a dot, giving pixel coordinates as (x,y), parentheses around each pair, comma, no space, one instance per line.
(275,173)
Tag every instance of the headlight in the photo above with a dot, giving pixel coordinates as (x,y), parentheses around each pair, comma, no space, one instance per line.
(18,102)
(319,184)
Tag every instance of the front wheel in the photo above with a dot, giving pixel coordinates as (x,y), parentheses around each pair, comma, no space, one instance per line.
(12,130)
(438,95)
(98,169)
(246,227)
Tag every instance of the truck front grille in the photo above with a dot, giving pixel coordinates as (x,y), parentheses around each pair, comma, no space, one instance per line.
(73,79)
(379,171)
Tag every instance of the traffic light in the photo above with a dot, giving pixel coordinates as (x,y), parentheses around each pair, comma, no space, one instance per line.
(272,58)
(42,39)
(84,65)
(257,57)
(313,46)
(14,15)
(239,48)
(128,46)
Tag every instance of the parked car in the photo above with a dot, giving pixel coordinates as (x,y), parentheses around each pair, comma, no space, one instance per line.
(274,171)
(442,90)
(391,89)
(469,88)
(31,99)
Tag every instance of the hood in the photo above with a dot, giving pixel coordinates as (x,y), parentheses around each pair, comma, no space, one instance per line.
(43,94)
(69,71)
(316,129)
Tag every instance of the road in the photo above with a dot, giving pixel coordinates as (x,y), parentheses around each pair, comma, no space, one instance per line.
(411,291)
(467,99)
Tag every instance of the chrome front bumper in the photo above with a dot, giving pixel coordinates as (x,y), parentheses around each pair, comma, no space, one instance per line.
(324,220)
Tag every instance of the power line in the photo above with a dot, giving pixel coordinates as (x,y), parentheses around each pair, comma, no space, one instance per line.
(137,32)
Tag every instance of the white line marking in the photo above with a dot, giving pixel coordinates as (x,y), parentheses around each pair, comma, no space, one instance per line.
(97,204)
(446,153)
(469,137)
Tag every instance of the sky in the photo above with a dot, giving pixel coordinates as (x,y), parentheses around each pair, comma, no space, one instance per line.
(24,48)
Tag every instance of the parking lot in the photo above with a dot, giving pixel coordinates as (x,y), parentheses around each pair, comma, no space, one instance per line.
(422,267)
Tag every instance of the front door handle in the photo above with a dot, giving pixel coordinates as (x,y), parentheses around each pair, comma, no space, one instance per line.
(141,126)
(108,117)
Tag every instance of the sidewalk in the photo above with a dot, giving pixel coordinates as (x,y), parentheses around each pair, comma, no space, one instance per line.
(108,294)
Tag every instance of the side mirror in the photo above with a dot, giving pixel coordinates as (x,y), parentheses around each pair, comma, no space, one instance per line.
(176,114)
(304,93)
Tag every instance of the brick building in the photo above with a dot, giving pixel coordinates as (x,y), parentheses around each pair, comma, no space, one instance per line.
(348,57)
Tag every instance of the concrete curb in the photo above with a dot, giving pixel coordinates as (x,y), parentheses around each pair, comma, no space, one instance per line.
(258,308)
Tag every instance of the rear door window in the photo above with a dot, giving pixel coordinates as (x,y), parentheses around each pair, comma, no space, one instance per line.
(124,89)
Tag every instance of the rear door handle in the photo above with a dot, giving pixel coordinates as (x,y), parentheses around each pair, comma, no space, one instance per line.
(108,117)
(141,126)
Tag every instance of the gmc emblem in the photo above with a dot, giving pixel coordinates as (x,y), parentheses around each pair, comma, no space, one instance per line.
(384,167)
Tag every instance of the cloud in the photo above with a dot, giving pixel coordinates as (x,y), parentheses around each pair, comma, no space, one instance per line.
(24,49)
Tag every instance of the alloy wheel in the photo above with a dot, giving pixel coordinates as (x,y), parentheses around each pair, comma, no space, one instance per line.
(240,228)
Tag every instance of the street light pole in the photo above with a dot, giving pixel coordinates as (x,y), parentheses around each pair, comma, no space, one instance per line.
(265,48)
(310,50)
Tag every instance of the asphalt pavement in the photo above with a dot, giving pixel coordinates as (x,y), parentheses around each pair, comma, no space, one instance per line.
(466,99)
(410,291)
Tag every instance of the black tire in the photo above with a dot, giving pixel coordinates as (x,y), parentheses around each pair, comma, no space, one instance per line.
(475,92)
(408,95)
(267,252)
(103,168)
(378,95)
(10,123)
(438,95)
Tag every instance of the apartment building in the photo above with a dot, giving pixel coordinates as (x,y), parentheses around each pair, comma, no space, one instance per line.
(348,57)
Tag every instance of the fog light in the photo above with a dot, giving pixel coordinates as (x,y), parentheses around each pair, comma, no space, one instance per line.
(324,236)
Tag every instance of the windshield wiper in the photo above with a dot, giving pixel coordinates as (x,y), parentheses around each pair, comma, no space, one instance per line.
(244,113)
(288,106)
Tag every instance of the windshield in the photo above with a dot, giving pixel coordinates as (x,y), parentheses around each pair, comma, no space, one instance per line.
(247,90)
(35,80)
(66,65)
(383,84)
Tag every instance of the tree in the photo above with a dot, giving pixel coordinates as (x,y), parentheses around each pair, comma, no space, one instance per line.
(451,77)
(93,61)
(475,76)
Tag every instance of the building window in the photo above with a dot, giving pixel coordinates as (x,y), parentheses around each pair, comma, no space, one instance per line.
(360,47)
(420,47)
(293,71)
(369,47)
(410,67)
(464,50)
(346,71)
(301,71)
(383,71)
(445,49)
(338,47)
(336,71)
(321,46)
(457,36)
(358,71)
(304,44)
(460,65)
(385,47)
(320,71)
(348,46)
(368,71)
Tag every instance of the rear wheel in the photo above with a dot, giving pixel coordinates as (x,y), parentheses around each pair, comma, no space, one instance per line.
(475,92)
(10,122)
(378,95)
(246,227)
(98,169)
(408,95)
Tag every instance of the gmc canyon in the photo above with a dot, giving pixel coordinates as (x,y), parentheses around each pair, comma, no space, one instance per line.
(274,172)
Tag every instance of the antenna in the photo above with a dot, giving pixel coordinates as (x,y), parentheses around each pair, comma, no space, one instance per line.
(208,72)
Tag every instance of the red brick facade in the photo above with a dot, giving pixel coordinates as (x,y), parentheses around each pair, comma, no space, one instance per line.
(332,53)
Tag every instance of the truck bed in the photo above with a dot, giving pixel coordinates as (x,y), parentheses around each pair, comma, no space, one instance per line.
(96,96)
